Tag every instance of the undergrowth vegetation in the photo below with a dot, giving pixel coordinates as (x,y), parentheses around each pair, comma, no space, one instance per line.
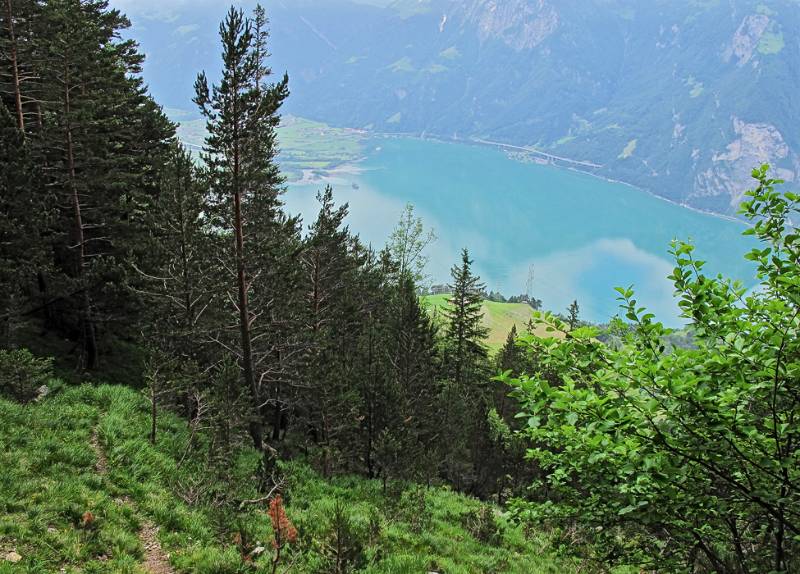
(78,478)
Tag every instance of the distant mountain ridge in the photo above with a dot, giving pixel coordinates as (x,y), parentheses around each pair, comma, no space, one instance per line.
(681,98)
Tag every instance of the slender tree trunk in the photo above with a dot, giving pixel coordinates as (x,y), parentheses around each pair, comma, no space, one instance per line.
(276,559)
(316,416)
(41,281)
(186,276)
(256,424)
(326,461)
(779,544)
(370,404)
(277,415)
(9,322)
(15,69)
(737,545)
(153,415)
(88,337)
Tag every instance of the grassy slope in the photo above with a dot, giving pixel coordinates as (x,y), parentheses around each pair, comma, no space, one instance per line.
(49,479)
(497,317)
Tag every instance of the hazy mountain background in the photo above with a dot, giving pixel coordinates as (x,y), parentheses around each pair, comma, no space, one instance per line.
(679,97)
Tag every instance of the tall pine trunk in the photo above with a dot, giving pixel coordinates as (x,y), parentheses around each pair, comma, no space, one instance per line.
(256,424)
(88,337)
(278,420)
(15,68)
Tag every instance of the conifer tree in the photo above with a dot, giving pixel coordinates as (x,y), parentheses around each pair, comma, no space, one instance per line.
(465,333)
(96,140)
(463,394)
(174,281)
(504,468)
(330,261)
(241,116)
(21,39)
(413,366)
(377,391)
(276,245)
(22,221)
(510,358)
(12,48)
(573,316)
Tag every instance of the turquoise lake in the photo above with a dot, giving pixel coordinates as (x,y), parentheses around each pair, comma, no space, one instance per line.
(583,235)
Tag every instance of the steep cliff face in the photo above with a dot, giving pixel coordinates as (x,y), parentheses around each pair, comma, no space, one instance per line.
(520,24)
(747,38)
(681,97)
(754,144)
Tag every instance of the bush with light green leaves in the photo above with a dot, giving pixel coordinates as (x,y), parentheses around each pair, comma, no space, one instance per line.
(681,460)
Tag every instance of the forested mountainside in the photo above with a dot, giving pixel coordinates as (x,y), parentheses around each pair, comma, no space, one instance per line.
(283,399)
(677,97)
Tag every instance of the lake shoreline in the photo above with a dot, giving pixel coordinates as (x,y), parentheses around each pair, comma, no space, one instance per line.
(486,143)
(512,216)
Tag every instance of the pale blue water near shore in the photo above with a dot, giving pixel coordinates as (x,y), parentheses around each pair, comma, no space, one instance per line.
(583,235)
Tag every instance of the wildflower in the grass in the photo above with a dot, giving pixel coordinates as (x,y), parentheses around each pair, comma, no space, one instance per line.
(283,530)
(87,519)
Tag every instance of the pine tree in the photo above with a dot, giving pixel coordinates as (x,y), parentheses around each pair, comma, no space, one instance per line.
(510,358)
(176,288)
(504,467)
(330,261)
(573,316)
(22,222)
(176,282)
(276,244)
(20,48)
(96,139)
(465,333)
(12,48)
(241,117)
(463,393)
(378,395)
(413,366)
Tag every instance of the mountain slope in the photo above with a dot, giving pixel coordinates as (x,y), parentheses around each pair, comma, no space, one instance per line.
(82,490)
(681,98)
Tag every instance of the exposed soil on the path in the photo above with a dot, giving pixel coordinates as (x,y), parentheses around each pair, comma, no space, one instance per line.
(101,466)
(156,560)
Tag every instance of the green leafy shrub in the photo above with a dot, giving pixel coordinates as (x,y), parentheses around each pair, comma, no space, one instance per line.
(685,459)
(22,374)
